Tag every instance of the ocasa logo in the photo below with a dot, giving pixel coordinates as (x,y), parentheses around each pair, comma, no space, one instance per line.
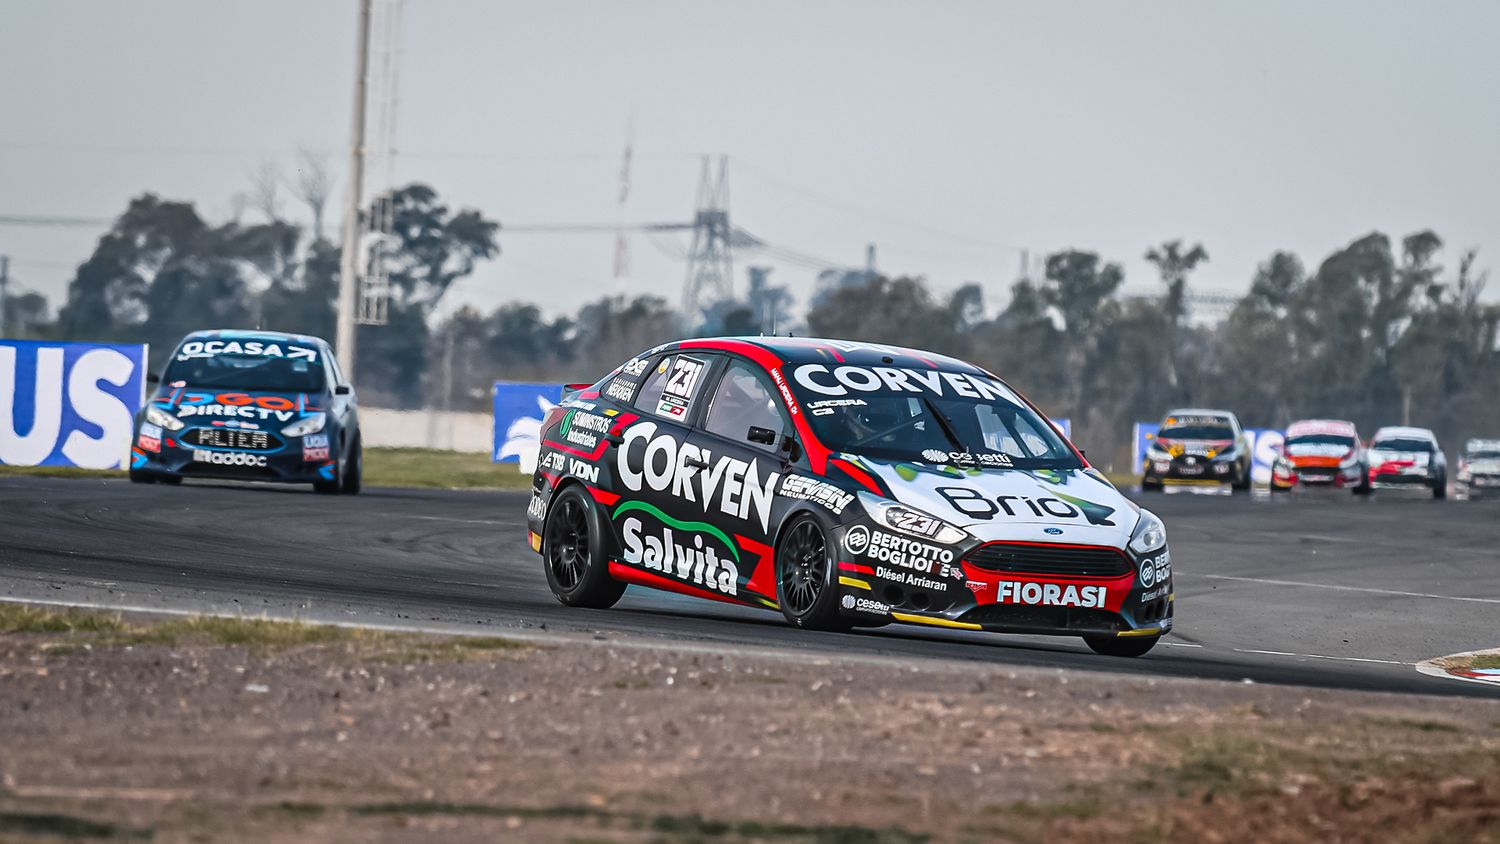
(67,404)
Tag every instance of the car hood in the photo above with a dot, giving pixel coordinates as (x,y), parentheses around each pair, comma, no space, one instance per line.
(1041,505)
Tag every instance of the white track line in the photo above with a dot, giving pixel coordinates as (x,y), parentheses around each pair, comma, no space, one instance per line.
(1338,588)
(1322,656)
(463,521)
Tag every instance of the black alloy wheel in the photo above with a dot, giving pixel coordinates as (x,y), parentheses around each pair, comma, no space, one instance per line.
(573,553)
(805,583)
(354,474)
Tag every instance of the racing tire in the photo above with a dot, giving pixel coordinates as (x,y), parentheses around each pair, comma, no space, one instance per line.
(573,553)
(1150,486)
(1242,483)
(806,578)
(142,477)
(169,480)
(1440,488)
(1129,646)
(354,475)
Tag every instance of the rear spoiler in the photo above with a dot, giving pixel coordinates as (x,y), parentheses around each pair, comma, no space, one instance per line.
(571,391)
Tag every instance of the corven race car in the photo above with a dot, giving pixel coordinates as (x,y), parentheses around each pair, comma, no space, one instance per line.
(1197,447)
(844,484)
(1402,457)
(1479,468)
(250,405)
(1321,452)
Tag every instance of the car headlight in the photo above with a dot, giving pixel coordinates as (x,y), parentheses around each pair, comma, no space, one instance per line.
(1150,534)
(1157,451)
(910,521)
(157,416)
(1227,454)
(309,424)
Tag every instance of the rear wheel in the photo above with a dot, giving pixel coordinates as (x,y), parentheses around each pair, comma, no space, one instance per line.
(1117,646)
(573,553)
(1440,488)
(806,587)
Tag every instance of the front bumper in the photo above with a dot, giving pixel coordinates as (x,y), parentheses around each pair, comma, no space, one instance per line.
(296,461)
(1314,476)
(1099,597)
(1187,469)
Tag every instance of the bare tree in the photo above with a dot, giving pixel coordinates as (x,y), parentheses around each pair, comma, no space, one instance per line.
(265,191)
(313,187)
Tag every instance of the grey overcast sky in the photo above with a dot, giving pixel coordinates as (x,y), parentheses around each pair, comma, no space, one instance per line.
(950,134)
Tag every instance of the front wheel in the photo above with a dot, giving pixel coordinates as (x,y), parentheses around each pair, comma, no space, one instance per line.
(354,473)
(1242,483)
(1115,646)
(573,553)
(137,477)
(806,588)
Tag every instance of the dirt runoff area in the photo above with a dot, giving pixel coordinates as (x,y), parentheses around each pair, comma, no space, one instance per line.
(206,729)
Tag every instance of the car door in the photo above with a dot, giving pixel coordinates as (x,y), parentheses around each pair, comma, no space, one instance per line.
(739,437)
(657,522)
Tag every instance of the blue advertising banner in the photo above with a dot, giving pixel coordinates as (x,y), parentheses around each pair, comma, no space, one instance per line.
(1265,444)
(69,404)
(519,408)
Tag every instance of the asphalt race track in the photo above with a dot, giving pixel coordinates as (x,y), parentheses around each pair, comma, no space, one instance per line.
(1320,590)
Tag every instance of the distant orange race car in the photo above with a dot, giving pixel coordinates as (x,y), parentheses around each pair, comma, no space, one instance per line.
(1322,452)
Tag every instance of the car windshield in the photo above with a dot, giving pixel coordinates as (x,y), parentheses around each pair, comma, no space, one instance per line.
(958,418)
(1197,431)
(247,365)
(1319,445)
(1483,455)
(1403,444)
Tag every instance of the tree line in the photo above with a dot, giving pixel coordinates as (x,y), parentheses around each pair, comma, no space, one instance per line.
(1378,333)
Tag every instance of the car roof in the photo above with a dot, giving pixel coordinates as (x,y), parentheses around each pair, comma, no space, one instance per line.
(1394,431)
(1200,411)
(252,334)
(1482,445)
(797,350)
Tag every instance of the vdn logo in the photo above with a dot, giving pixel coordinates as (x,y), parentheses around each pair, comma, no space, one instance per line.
(68,403)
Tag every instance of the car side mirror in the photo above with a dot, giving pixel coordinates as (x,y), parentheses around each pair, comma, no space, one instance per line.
(764,436)
(153,378)
(342,390)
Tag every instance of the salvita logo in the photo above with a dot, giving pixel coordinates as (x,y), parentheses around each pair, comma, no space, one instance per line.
(68,404)
(841,380)
(670,467)
(685,556)
(1049,594)
(228,458)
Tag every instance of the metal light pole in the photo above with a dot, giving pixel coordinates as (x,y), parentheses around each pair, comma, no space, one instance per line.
(349,255)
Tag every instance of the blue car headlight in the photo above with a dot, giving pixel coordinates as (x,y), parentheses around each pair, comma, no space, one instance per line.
(309,424)
(1149,536)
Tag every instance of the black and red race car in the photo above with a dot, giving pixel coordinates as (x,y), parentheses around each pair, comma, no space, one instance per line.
(843,484)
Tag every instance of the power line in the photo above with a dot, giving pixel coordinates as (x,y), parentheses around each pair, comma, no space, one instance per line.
(55,222)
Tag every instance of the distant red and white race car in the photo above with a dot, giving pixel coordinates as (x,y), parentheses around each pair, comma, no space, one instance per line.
(1322,452)
(1402,457)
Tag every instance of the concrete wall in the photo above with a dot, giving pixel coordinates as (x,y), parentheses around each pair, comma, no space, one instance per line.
(448,430)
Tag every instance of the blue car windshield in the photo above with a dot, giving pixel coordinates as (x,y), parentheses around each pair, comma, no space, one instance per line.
(247,365)
(932,417)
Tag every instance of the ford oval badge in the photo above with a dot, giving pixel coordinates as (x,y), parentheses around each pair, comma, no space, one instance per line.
(1054,531)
